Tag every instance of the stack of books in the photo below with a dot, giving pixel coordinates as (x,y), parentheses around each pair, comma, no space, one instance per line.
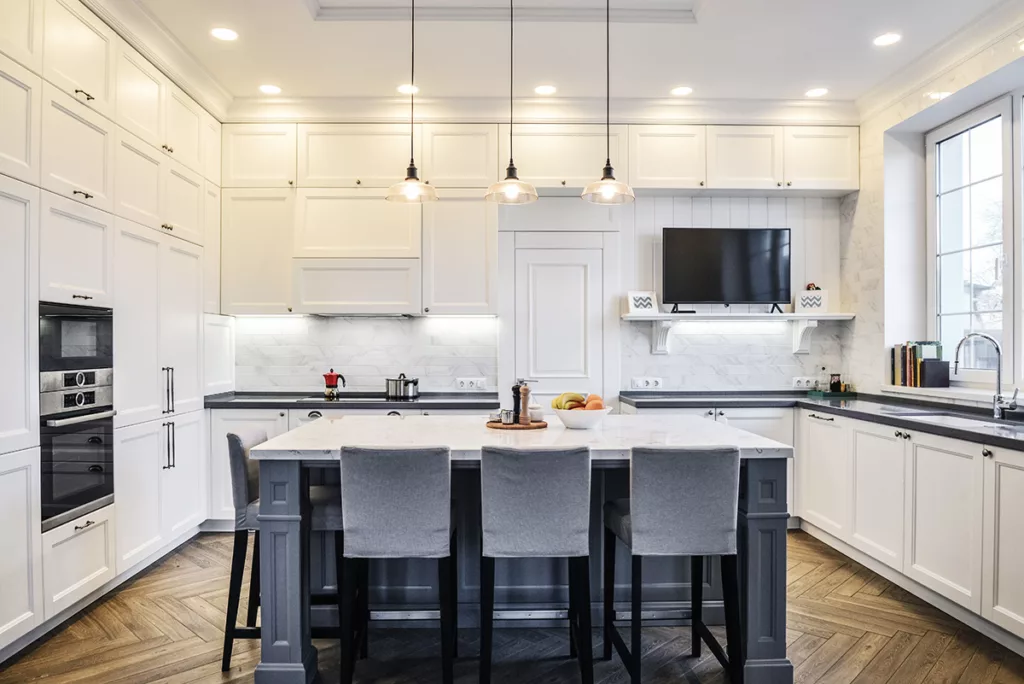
(907,358)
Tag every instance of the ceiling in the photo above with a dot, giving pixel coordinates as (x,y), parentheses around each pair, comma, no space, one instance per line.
(735,49)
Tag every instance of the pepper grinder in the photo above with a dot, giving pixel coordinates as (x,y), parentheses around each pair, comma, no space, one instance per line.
(524,402)
(516,396)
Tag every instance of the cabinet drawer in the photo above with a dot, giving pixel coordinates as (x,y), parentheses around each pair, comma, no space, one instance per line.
(356,286)
(78,558)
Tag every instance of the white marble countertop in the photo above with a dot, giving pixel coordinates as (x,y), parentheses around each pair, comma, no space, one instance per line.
(322,439)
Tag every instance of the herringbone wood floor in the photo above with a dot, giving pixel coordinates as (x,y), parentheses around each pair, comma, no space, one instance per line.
(846,624)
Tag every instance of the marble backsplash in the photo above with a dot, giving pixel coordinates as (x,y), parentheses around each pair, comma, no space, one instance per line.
(291,353)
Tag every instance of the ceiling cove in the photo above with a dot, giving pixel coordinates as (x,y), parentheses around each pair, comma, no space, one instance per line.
(633,12)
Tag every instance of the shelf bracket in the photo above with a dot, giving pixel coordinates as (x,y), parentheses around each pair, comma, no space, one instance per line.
(659,336)
(802,335)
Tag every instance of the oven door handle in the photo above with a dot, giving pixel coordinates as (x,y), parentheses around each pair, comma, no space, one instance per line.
(80,419)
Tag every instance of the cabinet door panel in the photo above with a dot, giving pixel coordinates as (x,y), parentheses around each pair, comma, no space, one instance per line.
(824,474)
(76,253)
(211,149)
(1003,561)
(140,96)
(822,157)
(560,155)
(745,157)
(21,563)
(460,155)
(181,321)
(184,129)
(876,452)
(222,422)
(258,155)
(219,353)
(79,54)
(183,203)
(211,249)
(460,254)
(667,156)
(21,93)
(256,240)
(21,32)
(78,151)
(182,484)
(138,177)
(140,454)
(355,224)
(353,155)
(79,557)
(357,286)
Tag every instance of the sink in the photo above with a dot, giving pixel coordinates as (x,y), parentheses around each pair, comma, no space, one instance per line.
(956,421)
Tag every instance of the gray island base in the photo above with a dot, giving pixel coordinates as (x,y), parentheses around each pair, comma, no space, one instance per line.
(294,565)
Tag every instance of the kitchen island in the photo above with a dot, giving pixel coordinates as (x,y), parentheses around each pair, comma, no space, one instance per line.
(288,656)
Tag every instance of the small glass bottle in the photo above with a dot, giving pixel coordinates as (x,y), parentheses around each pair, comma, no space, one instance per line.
(821,384)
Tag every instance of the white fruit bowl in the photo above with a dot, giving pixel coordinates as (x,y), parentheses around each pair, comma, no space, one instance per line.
(581,419)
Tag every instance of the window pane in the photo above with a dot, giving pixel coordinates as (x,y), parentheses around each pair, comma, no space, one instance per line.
(953,162)
(954,221)
(976,353)
(987,212)
(987,278)
(954,275)
(987,150)
(951,331)
(982,352)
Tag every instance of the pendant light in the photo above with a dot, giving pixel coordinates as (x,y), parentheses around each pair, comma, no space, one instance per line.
(412,190)
(608,190)
(511,190)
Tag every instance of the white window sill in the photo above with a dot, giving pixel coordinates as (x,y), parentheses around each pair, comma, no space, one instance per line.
(957,394)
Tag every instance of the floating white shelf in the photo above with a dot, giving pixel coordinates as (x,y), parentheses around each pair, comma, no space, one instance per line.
(803,324)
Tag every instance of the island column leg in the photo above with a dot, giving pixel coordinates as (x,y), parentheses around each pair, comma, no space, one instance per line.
(287,656)
(763,516)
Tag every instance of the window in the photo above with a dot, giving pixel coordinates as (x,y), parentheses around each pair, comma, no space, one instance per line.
(970,237)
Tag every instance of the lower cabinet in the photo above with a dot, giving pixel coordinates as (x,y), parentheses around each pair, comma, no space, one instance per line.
(21,560)
(78,558)
(1002,596)
(823,472)
(181,496)
(877,489)
(222,422)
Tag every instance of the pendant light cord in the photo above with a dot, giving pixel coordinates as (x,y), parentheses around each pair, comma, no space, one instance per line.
(511,73)
(608,78)
(412,93)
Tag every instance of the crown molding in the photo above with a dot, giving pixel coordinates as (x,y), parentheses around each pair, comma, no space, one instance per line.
(1001,21)
(144,32)
(544,110)
(642,12)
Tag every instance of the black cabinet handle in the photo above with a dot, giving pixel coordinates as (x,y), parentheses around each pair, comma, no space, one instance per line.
(88,97)
(394,413)
(83,193)
(95,469)
(898,433)
(817,417)
(88,524)
(906,435)
(174,406)
(82,297)
(167,389)
(315,414)
(167,441)
(987,453)
(174,445)
(167,226)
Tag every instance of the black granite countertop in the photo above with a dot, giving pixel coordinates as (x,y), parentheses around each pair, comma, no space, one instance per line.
(484,401)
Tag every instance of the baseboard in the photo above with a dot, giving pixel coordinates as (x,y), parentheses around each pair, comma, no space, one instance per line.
(213,525)
(954,610)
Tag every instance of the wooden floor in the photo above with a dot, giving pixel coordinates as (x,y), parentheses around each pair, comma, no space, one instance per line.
(846,624)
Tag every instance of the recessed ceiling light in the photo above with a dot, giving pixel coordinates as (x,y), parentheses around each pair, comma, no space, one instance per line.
(408,89)
(224,34)
(817,92)
(887,39)
(545,90)
(939,95)
(681,90)
(270,90)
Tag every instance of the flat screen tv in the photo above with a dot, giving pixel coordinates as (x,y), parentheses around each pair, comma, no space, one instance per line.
(726,266)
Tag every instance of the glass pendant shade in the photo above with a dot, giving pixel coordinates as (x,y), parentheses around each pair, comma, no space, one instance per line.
(608,190)
(412,190)
(511,190)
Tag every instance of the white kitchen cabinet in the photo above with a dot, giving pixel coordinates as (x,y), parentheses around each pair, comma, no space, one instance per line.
(1003,559)
(256,247)
(876,496)
(21,563)
(354,155)
(77,150)
(563,155)
(460,155)
(19,309)
(222,422)
(181,485)
(258,155)
(211,248)
(140,90)
(822,157)
(138,177)
(771,422)
(356,286)
(184,202)
(745,157)
(79,557)
(21,32)
(140,459)
(668,157)
(211,149)
(943,517)
(823,473)
(299,417)
(219,354)
(80,53)
(21,95)
(181,322)
(355,224)
(76,253)
(184,134)
(460,254)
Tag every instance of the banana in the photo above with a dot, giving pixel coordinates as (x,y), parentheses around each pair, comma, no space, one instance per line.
(563,400)
(573,396)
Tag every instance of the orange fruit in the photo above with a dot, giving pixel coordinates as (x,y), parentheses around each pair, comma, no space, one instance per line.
(594,404)
(592,397)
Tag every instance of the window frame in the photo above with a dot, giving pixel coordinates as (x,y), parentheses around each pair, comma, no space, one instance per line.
(1008,107)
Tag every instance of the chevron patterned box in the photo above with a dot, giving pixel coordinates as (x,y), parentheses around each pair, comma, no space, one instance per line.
(812,301)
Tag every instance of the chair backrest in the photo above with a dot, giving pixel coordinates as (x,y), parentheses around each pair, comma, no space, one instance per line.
(684,501)
(396,503)
(245,473)
(535,502)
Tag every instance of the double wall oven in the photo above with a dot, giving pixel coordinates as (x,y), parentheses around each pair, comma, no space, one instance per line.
(76,407)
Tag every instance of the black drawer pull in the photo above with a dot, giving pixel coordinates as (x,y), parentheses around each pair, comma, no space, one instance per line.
(88,523)
(88,97)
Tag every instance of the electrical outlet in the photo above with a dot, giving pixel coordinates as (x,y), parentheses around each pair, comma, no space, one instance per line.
(655,383)
(471,384)
(645,383)
(803,383)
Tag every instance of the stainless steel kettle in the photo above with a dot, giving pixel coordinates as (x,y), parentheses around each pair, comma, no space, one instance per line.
(402,388)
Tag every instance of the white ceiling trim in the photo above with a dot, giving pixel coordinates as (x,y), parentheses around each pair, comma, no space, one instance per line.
(361,10)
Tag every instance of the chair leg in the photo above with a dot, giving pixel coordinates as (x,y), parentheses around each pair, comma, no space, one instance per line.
(609,591)
(696,603)
(573,608)
(634,627)
(254,582)
(454,577)
(733,626)
(444,572)
(486,617)
(584,632)
(346,588)
(364,608)
(234,594)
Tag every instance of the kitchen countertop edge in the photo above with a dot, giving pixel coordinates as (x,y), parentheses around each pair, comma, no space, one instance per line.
(484,401)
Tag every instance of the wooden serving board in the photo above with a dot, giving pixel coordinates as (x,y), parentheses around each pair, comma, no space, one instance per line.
(535,425)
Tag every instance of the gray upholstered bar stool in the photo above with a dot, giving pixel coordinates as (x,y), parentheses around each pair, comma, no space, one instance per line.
(535,503)
(683,502)
(245,491)
(396,503)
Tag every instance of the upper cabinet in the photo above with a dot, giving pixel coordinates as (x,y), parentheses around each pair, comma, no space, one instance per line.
(460,155)
(140,96)
(138,174)
(822,157)
(80,53)
(21,95)
(356,286)
(460,254)
(668,156)
(21,32)
(354,155)
(183,195)
(559,155)
(211,249)
(211,149)
(256,243)
(258,155)
(184,137)
(76,253)
(77,151)
(745,157)
(339,223)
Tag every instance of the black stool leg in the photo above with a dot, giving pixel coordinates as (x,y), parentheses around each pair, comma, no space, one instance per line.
(609,591)
(634,627)
(573,608)
(254,582)
(364,608)
(733,627)
(346,600)
(486,617)
(696,603)
(234,594)
(584,632)
(454,577)
(444,568)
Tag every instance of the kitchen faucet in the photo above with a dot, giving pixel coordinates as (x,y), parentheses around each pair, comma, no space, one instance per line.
(999,405)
